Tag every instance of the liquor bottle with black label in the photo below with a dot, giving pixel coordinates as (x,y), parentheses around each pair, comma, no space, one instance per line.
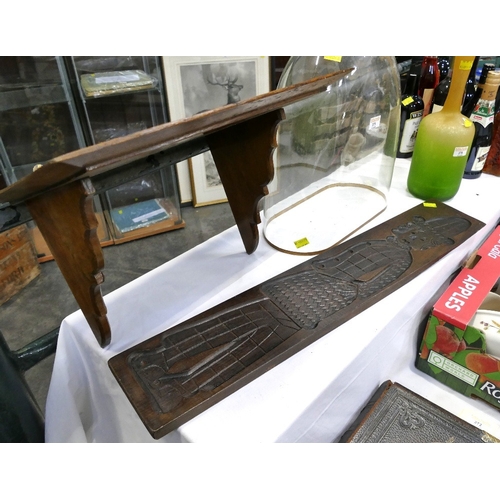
(412,110)
(482,117)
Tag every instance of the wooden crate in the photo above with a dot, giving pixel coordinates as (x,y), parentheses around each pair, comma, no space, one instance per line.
(18,262)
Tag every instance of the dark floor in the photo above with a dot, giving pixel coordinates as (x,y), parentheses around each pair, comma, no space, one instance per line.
(41,306)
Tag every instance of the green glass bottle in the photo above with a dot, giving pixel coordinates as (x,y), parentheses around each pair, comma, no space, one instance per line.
(443,143)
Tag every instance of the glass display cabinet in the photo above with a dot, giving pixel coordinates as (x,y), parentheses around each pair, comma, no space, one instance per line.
(38,121)
(53,105)
(117,96)
(38,118)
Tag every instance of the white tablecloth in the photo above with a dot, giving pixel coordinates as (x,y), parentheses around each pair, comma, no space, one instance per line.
(311,397)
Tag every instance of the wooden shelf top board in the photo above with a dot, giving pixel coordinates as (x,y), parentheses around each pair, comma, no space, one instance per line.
(104,157)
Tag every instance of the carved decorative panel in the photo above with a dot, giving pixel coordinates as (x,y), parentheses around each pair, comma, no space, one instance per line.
(185,370)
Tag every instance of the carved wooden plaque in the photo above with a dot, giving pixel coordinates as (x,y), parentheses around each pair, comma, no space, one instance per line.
(179,373)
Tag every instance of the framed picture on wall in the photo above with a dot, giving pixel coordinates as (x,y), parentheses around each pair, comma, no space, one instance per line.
(200,83)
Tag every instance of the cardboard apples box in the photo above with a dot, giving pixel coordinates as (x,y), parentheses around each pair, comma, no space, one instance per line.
(460,346)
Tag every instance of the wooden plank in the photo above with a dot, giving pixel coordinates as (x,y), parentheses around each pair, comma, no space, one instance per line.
(100,158)
(12,240)
(18,263)
(179,373)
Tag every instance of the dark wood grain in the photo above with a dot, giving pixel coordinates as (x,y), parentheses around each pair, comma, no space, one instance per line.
(66,218)
(98,159)
(58,194)
(18,262)
(243,156)
(181,372)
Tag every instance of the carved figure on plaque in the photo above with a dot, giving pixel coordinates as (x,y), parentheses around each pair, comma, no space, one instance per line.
(210,352)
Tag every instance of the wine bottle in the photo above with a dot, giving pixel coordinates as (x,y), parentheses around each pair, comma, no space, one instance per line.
(444,66)
(487,67)
(482,118)
(443,143)
(440,94)
(492,164)
(471,104)
(412,110)
(429,80)
(470,85)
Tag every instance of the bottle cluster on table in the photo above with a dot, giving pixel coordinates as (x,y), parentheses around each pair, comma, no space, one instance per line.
(450,123)
(492,164)
(482,116)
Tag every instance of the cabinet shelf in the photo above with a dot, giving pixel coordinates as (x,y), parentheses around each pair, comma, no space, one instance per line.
(121,95)
(173,221)
(31,96)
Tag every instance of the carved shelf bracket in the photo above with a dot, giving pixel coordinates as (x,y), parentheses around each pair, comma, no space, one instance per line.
(59,195)
(243,157)
(68,223)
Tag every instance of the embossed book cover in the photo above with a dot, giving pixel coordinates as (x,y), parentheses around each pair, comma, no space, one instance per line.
(397,415)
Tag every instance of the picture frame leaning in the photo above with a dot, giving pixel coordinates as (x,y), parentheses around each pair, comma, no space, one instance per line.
(200,83)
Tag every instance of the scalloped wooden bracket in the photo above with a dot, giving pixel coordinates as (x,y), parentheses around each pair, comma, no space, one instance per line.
(243,157)
(67,221)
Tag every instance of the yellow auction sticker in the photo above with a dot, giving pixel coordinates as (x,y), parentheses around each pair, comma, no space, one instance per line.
(429,204)
(333,58)
(465,65)
(301,243)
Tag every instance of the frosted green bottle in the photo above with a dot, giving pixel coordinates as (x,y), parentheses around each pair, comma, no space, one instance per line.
(443,143)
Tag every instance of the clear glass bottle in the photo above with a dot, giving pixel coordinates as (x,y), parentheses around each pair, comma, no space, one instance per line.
(443,143)
(336,152)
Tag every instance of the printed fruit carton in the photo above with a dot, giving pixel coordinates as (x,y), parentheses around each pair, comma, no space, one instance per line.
(458,348)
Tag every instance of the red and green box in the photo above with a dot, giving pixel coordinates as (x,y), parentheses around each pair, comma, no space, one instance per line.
(454,352)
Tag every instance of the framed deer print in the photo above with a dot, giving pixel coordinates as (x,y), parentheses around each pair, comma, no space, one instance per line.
(199,83)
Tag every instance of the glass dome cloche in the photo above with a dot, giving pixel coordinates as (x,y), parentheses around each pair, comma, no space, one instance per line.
(335,155)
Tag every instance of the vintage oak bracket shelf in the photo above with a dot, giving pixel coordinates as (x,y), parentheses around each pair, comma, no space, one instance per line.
(59,195)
